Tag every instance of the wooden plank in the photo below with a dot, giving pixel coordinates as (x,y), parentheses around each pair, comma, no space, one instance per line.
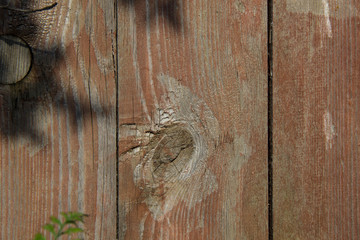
(192,119)
(15,58)
(57,144)
(316,119)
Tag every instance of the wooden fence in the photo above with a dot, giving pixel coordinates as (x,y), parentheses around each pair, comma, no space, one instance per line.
(174,119)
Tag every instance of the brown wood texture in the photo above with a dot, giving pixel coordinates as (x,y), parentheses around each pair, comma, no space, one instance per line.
(316,119)
(192,119)
(58,141)
(15,58)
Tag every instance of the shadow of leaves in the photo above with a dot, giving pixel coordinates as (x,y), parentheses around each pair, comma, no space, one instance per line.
(24,106)
(169,9)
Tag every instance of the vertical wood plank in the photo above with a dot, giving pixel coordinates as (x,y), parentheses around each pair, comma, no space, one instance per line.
(57,142)
(316,119)
(192,119)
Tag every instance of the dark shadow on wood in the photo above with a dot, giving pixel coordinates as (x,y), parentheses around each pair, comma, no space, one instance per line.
(169,9)
(20,102)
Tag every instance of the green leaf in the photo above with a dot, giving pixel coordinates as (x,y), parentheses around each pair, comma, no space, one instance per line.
(65,215)
(39,236)
(50,228)
(73,217)
(55,220)
(70,218)
(73,230)
(76,216)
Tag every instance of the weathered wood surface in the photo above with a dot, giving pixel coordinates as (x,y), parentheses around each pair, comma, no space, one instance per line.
(192,119)
(192,123)
(15,59)
(57,142)
(316,119)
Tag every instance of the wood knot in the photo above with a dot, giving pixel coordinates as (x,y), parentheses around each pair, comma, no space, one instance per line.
(166,156)
(15,59)
(173,169)
(173,147)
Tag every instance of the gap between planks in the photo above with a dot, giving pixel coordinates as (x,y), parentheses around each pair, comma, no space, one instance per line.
(270,116)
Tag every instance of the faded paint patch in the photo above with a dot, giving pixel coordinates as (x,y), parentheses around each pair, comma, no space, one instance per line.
(341,8)
(329,130)
(173,166)
(313,6)
(326,14)
(233,188)
(243,151)
(239,6)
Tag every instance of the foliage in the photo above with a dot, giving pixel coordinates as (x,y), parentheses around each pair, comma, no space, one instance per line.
(67,227)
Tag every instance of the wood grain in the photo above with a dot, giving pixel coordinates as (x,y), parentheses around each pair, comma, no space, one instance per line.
(316,119)
(57,143)
(15,58)
(192,119)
